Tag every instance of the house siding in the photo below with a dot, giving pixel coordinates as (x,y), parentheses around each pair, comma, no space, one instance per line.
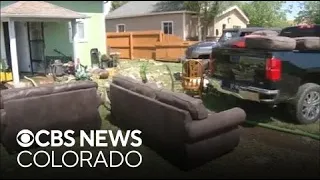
(146,23)
(235,20)
(56,34)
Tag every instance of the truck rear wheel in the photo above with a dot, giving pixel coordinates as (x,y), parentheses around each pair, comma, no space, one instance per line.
(306,106)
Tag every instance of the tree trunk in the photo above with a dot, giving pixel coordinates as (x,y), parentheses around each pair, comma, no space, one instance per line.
(213,28)
(199,29)
(205,31)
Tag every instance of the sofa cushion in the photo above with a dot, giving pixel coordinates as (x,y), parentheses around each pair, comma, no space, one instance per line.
(180,100)
(148,90)
(308,43)
(265,33)
(125,82)
(270,43)
(19,93)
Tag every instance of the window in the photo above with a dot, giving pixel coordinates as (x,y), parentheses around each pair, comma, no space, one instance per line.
(236,27)
(81,32)
(223,26)
(167,27)
(217,32)
(229,20)
(121,28)
(228,35)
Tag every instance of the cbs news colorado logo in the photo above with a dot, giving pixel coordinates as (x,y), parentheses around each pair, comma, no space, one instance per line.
(95,138)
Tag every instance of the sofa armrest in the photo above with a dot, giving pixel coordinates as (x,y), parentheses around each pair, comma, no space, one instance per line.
(216,123)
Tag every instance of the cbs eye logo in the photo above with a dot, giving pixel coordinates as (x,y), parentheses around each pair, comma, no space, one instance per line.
(25,138)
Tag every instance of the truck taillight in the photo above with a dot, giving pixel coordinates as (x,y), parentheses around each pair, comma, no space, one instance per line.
(273,69)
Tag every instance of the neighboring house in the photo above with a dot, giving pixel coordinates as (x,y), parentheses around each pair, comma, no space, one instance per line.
(142,16)
(35,32)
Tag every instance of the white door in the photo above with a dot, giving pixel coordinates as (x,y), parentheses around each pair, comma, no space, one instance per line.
(23,51)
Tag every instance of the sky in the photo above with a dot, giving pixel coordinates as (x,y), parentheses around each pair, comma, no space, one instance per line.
(295,9)
(290,16)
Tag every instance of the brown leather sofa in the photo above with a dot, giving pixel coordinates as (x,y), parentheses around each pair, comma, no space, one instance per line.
(67,106)
(177,126)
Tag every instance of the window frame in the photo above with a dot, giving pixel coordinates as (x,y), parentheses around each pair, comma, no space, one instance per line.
(224,26)
(172,26)
(85,31)
(124,27)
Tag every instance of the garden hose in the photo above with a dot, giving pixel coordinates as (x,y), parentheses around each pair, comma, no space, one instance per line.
(295,132)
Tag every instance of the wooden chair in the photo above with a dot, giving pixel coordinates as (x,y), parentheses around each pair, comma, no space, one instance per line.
(192,76)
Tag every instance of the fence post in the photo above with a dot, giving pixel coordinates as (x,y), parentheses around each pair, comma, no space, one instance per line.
(131,45)
(160,36)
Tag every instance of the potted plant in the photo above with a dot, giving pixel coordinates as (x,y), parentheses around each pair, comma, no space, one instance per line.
(143,72)
(5,74)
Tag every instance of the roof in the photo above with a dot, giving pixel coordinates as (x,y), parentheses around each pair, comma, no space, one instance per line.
(139,8)
(237,9)
(39,9)
(147,8)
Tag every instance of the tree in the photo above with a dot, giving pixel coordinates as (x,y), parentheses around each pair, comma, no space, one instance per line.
(310,12)
(117,4)
(266,13)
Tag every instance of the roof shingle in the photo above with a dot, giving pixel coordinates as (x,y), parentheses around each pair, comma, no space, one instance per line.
(133,8)
(39,9)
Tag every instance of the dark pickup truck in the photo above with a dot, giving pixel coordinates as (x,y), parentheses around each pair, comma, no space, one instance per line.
(291,77)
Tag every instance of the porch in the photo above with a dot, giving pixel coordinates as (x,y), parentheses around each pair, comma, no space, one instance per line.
(23,31)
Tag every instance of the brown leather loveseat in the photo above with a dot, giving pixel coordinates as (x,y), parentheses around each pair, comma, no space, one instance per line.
(52,107)
(175,125)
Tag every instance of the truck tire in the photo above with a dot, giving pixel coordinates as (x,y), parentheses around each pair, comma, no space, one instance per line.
(306,106)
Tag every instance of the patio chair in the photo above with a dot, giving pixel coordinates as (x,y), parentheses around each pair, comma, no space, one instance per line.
(192,76)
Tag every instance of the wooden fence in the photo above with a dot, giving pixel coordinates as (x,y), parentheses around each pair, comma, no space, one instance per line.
(148,45)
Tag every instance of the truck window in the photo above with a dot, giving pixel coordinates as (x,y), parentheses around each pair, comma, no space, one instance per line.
(245,34)
(301,31)
(228,35)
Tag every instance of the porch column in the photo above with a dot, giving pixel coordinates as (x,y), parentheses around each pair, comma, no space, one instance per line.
(13,52)
(74,40)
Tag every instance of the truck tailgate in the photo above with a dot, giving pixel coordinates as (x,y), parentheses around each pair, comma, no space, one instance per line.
(241,67)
